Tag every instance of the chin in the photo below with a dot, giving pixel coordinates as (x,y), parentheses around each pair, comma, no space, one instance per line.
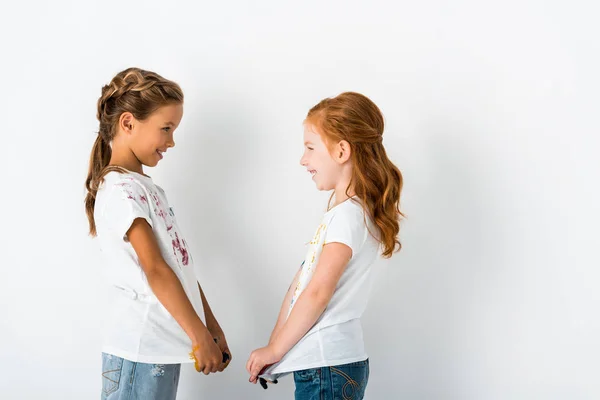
(323,188)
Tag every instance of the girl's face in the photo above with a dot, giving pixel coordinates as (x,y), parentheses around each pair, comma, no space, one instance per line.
(325,170)
(150,138)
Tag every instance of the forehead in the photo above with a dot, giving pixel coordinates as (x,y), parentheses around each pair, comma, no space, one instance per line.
(311,133)
(168,113)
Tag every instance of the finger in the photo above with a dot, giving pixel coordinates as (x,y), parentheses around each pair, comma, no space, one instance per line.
(251,367)
(223,345)
(248,363)
(222,367)
(256,368)
(226,360)
(264,368)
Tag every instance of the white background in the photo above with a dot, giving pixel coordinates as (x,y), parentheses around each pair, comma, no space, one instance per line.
(491,111)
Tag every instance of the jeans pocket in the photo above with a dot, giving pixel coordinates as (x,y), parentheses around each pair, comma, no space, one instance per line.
(111,373)
(350,381)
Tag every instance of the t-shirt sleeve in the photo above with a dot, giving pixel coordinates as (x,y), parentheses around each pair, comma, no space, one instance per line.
(346,227)
(126,202)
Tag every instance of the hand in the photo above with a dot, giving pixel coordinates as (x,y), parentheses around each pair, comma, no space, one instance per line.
(207,355)
(221,341)
(259,359)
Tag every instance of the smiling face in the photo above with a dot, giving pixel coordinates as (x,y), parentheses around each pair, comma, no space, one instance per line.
(326,171)
(149,139)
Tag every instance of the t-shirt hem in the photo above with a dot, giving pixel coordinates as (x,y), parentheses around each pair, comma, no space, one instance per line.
(147,359)
(319,364)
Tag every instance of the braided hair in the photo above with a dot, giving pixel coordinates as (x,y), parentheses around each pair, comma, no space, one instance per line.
(133,90)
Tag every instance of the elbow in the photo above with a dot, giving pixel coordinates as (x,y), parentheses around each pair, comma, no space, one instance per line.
(319,298)
(155,272)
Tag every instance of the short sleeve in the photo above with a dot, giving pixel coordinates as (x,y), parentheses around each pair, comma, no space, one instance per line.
(347,226)
(126,202)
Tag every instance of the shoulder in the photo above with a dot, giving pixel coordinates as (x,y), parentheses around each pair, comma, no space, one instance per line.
(350,210)
(121,196)
(123,183)
(122,187)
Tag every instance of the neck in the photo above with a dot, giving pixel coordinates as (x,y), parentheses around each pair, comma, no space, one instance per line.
(126,160)
(128,165)
(342,192)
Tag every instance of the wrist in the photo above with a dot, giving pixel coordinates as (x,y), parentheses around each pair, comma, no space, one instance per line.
(276,348)
(199,335)
(273,336)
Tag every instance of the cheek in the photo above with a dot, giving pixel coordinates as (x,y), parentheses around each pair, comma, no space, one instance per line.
(327,163)
(141,142)
(321,160)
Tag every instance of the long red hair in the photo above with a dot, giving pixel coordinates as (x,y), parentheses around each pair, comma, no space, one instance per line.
(376,181)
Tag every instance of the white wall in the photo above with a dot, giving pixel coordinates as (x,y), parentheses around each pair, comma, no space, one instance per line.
(491,112)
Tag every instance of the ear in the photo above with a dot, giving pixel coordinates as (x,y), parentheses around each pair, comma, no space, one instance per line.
(342,152)
(126,121)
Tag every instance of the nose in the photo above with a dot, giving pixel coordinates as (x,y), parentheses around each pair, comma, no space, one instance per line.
(303,160)
(171,142)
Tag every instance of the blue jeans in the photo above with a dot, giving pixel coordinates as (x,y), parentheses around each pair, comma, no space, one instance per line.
(124,379)
(342,382)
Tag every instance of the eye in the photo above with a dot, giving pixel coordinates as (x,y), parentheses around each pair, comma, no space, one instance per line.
(310,148)
(166,129)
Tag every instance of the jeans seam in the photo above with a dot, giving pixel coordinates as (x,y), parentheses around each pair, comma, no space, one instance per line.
(331,385)
(131,380)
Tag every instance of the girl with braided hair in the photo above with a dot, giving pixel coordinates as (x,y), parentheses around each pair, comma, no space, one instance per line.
(159,312)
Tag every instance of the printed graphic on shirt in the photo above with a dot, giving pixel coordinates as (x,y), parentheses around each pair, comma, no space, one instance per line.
(165,213)
(315,246)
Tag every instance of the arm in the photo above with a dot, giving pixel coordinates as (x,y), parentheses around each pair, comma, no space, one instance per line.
(214,328)
(283,312)
(167,288)
(211,321)
(308,308)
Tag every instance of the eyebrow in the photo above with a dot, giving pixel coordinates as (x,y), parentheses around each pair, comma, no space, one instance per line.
(306,143)
(169,123)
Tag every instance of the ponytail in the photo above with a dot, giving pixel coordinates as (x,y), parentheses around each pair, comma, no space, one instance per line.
(99,160)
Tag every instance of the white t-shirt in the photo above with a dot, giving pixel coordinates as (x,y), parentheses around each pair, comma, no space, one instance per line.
(139,328)
(337,337)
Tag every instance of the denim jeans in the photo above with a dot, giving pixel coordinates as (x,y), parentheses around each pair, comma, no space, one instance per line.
(341,382)
(124,379)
